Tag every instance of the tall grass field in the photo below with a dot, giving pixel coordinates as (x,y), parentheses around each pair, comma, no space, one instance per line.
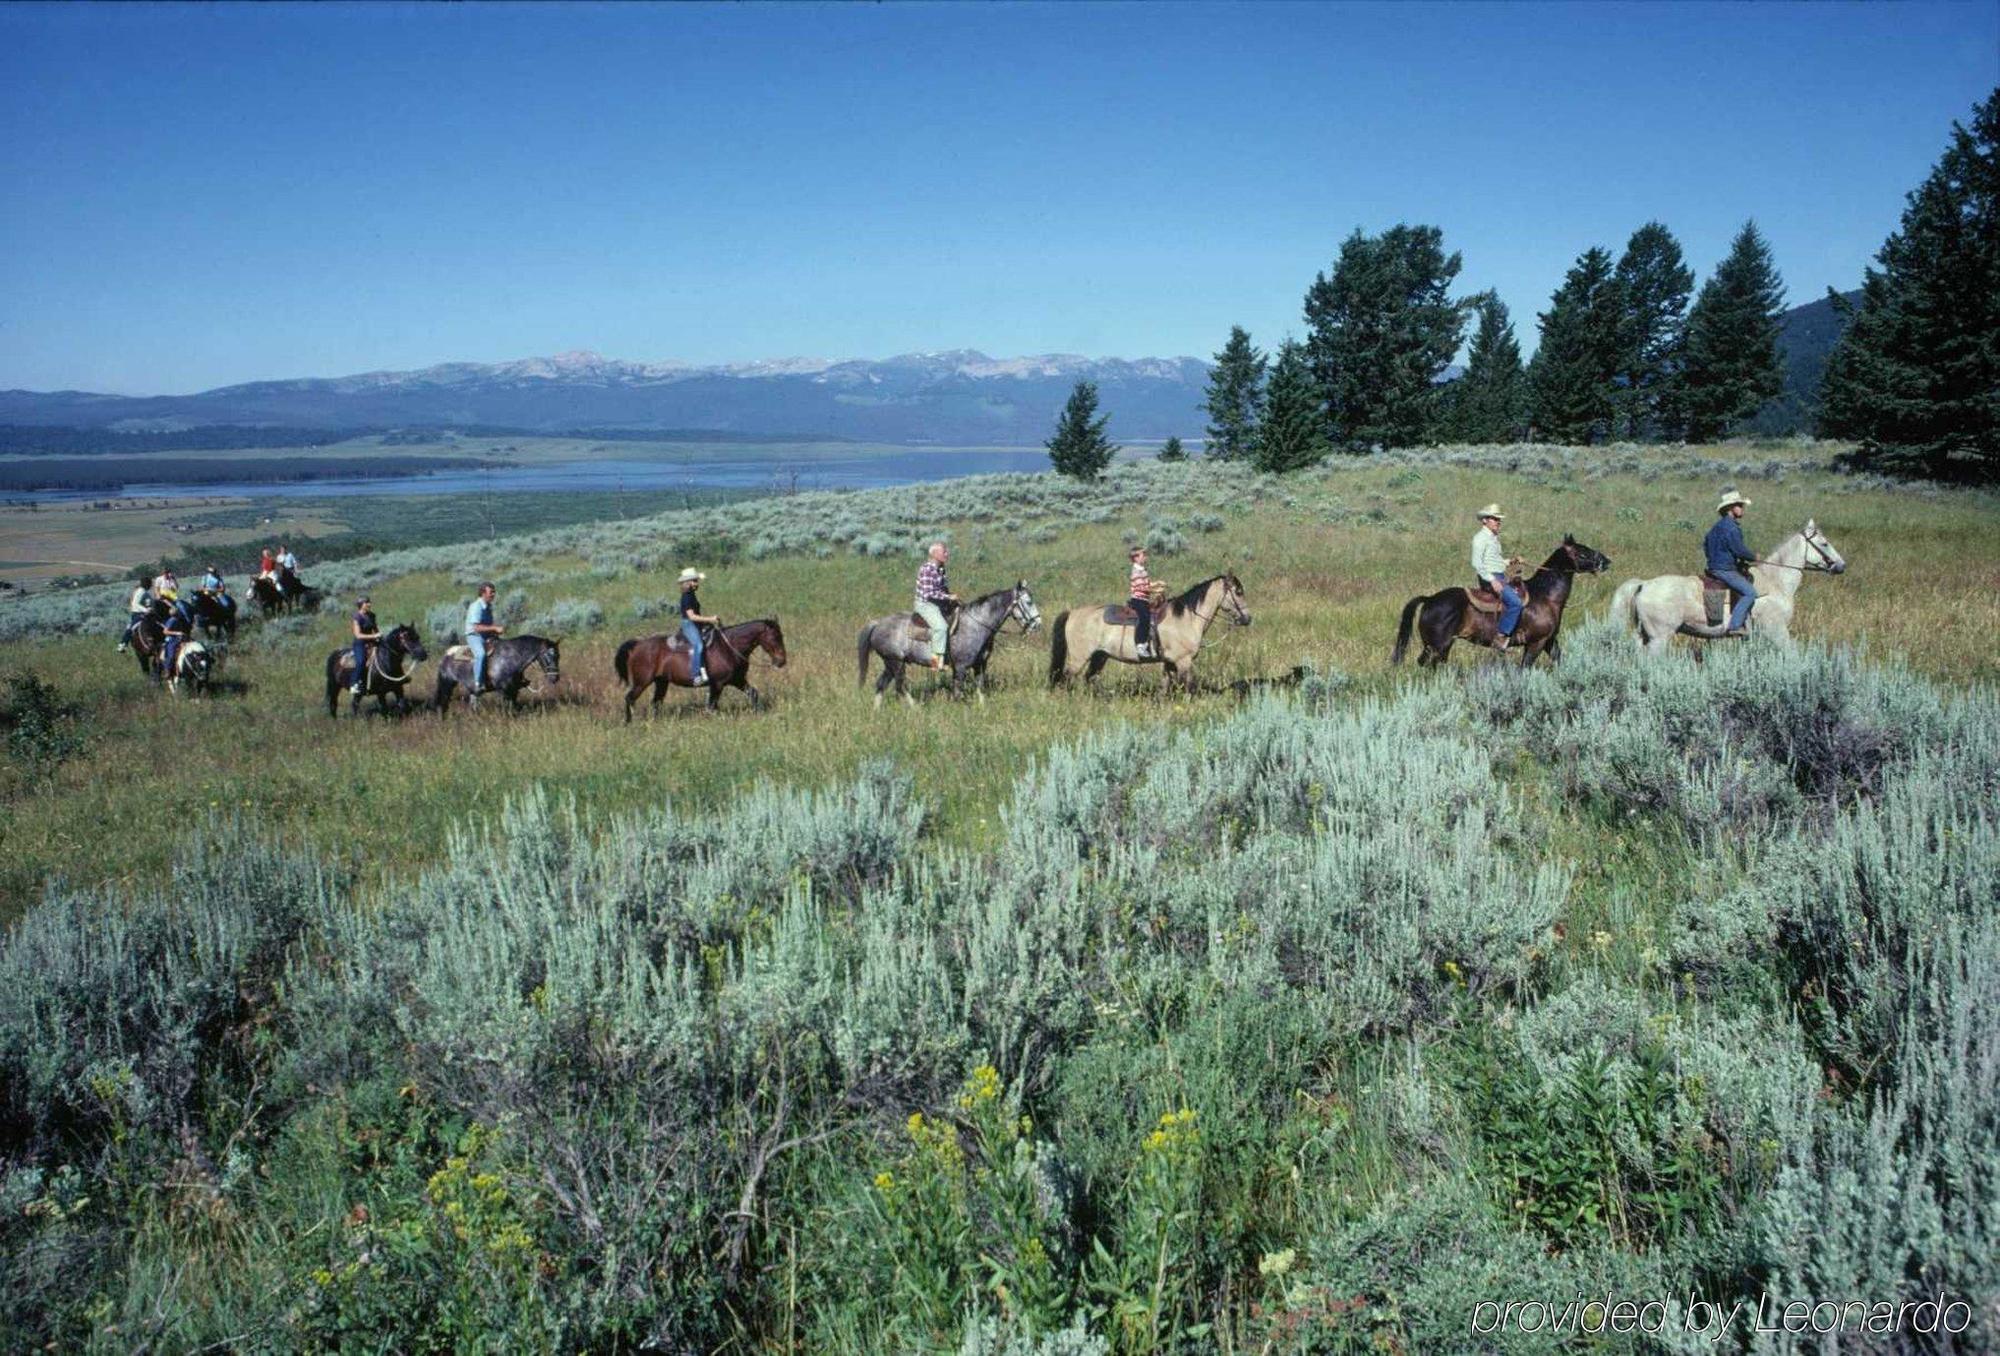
(1339,1008)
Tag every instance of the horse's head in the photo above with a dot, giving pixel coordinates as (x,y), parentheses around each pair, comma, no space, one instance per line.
(1233,601)
(1820,554)
(550,658)
(403,641)
(772,639)
(1583,559)
(1024,610)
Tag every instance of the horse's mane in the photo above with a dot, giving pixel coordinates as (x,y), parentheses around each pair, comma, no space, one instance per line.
(985,597)
(1190,597)
(755,621)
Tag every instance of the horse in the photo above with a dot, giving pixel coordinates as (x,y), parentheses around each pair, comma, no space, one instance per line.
(194,662)
(273,599)
(1098,634)
(967,651)
(1448,615)
(391,665)
(658,661)
(149,638)
(215,613)
(1672,603)
(507,665)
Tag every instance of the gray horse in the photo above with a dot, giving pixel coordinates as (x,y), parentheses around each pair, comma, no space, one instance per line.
(507,665)
(894,640)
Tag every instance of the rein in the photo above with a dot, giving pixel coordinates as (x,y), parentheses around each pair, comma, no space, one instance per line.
(1825,565)
(375,666)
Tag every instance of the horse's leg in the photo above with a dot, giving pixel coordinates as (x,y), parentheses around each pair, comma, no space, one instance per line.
(1095,666)
(756,697)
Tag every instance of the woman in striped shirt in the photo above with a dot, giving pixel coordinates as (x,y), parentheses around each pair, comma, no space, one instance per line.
(1142,603)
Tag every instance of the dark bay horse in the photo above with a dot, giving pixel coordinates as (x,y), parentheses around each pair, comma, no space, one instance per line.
(1449,615)
(149,638)
(391,665)
(215,614)
(662,661)
(273,600)
(892,638)
(507,665)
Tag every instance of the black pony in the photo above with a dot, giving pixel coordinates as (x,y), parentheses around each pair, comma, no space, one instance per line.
(391,666)
(215,614)
(1448,615)
(507,664)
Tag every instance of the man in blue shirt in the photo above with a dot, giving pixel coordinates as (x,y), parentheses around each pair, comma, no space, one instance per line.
(692,620)
(479,632)
(1729,558)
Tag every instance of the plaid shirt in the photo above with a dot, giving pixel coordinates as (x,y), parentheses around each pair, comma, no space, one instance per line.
(931,584)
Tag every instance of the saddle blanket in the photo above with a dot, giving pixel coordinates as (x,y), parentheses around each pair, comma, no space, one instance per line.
(459,652)
(1120,614)
(1717,597)
(1484,599)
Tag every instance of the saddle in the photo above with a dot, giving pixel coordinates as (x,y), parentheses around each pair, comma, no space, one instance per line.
(1717,597)
(459,652)
(1484,599)
(1120,614)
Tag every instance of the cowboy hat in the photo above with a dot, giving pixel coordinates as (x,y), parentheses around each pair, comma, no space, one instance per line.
(692,576)
(1730,496)
(1490,511)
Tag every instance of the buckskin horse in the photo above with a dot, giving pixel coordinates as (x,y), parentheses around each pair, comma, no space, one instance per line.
(662,661)
(1449,615)
(507,664)
(392,663)
(1672,604)
(893,639)
(1088,637)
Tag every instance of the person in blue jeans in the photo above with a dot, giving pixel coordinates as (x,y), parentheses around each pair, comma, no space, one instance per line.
(1729,558)
(366,632)
(692,620)
(176,629)
(479,633)
(1489,566)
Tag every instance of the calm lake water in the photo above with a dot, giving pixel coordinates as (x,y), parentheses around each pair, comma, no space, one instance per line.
(870,469)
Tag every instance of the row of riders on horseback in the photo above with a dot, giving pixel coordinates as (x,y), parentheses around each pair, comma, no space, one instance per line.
(1501,610)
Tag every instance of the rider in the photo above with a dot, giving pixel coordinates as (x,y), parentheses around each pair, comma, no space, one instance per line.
(366,632)
(165,587)
(933,589)
(137,608)
(479,632)
(288,569)
(1489,563)
(1730,559)
(1142,603)
(267,566)
(177,627)
(692,620)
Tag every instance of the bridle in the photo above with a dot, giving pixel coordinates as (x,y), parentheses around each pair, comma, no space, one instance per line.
(1825,565)
(396,680)
(1024,611)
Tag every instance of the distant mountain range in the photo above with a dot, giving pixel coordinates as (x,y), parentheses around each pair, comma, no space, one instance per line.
(956,397)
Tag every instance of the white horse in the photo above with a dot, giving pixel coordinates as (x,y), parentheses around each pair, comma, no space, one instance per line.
(1672,604)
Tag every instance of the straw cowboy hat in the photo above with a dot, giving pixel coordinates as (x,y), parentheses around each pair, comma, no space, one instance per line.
(691,576)
(1730,496)
(1491,511)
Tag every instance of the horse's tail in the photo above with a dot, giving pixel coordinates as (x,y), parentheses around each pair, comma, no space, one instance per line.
(623,658)
(1625,602)
(333,684)
(1058,649)
(863,643)
(1403,629)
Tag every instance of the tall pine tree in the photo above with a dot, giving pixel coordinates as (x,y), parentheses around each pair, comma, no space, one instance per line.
(1573,379)
(1079,447)
(1916,377)
(1654,281)
(1489,403)
(1730,366)
(1235,397)
(1383,328)
(1293,434)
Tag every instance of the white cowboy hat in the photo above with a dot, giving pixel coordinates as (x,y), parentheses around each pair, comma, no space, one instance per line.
(692,576)
(1490,511)
(1730,496)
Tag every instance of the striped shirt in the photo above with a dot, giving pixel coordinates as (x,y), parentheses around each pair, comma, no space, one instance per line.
(931,584)
(1142,583)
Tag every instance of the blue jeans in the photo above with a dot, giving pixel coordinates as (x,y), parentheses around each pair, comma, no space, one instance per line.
(360,664)
(476,642)
(1741,583)
(1510,608)
(168,650)
(691,632)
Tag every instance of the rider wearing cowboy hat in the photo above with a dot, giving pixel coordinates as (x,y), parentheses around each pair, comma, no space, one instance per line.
(1489,565)
(1729,558)
(692,621)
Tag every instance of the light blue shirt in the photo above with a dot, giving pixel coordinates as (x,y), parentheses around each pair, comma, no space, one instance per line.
(479,614)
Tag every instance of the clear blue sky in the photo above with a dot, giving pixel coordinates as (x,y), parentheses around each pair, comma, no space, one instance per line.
(200,195)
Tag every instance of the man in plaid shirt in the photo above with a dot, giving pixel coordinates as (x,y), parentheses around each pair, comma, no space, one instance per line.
(932,590)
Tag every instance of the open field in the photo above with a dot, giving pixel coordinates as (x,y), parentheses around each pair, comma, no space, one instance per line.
(1294,1027)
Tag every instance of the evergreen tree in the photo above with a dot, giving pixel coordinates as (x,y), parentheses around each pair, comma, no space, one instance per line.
(1293,434)
(1173,451)
(1655,282)
(1079,447)
(1489,403)
(1235,397)
(1573,379)
(1730,366)
(1916,377)
(1382,329)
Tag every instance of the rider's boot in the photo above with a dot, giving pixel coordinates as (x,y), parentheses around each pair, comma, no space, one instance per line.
(1502,642)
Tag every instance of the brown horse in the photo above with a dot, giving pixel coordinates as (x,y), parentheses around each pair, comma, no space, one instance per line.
(660,661)
(1449,615)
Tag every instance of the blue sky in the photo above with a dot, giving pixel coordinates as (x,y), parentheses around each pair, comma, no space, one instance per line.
(202,195)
